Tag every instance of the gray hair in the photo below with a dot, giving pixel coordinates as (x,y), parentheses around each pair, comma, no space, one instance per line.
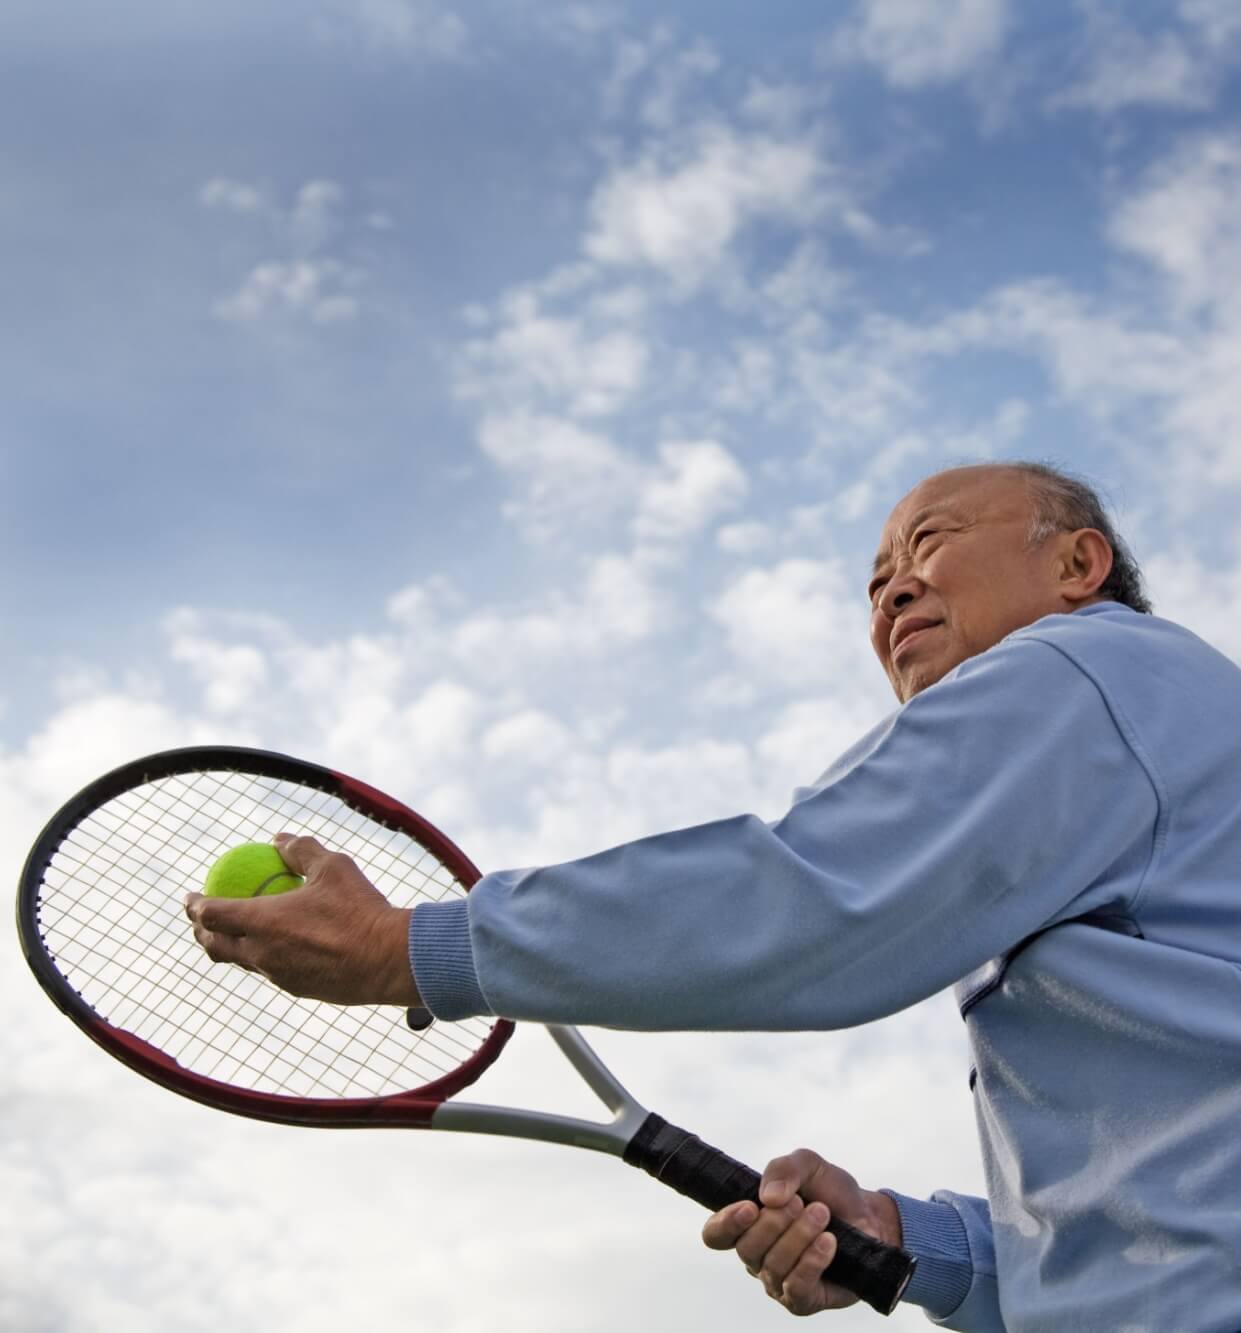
(1063,502)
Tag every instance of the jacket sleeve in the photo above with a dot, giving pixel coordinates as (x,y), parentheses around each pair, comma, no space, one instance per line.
(989,806)
(955,1280)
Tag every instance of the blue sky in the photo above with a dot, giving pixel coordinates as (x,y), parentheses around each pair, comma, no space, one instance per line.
(501,402)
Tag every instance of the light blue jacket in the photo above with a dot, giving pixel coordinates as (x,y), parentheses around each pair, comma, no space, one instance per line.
(1054,829)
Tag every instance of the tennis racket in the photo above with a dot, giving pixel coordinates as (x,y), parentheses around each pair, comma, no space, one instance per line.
(100,916)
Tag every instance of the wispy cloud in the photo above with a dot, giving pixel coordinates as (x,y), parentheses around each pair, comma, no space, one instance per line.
(918,43)
(678,210)
(420,29)
(1123,63)
(310,283)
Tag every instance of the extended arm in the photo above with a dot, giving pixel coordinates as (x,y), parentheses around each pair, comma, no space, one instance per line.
(982,811)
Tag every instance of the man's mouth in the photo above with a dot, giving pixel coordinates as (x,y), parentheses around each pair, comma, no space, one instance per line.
(910,632)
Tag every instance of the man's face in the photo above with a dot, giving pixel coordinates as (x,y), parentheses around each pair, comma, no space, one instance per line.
(953,553)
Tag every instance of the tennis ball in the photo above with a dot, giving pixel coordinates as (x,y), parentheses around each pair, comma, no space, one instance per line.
(250,871)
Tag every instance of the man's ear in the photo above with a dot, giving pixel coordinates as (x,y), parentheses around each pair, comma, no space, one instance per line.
(1087,563)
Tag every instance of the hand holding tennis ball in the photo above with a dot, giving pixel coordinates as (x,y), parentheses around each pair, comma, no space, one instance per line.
(339,940)
(253,870)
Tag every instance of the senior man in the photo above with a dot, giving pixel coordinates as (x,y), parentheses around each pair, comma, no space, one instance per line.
(1051,822)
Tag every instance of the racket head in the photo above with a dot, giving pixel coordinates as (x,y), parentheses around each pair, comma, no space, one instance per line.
(101,921)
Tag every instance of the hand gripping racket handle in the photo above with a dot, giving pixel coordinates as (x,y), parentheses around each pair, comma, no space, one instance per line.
(875,1272)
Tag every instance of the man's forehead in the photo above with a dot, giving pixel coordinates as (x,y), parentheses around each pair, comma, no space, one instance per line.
(967,494)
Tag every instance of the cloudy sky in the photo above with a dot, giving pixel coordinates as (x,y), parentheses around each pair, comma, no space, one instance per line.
(500,401)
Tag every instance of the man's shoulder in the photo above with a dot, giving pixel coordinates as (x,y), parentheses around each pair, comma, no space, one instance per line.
(1106,643)
(1117,635)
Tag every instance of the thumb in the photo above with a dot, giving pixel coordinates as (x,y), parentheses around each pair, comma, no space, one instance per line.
(779,1183)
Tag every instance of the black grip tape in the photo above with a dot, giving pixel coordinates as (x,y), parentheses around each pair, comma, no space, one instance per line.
(873,1271)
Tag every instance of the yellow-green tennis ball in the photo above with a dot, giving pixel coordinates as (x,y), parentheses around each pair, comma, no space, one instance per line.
(252,870)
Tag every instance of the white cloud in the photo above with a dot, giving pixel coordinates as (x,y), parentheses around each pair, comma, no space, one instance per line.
(406,28)
(313,220)
(536,357)
(1217,22)
(629,59)
(232,673)
(665,104)
(1204,597)
(681,217)
(805,281)
(780,106)
(916,43)
(875,476)
(697,480)
(1185,219)
(797,624)
(231,196)
(579,24)
(860,388)
(618,605)
(621,602)
(302,287)
(614,602)
(1172,392)
(1130,68)
(565,475)
(310,284)
(531,739)
(806,736)
(746,376)
(1178,65)
(743,538)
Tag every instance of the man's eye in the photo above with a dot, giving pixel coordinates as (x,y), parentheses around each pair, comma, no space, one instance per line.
(878,585)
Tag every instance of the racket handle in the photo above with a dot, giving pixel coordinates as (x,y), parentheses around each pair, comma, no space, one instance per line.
(875,1272)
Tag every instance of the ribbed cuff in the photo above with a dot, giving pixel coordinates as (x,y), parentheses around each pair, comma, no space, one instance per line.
(935,1235)
(442,961)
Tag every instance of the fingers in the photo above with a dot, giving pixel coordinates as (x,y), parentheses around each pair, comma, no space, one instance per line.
(787,1254)
(723,1229)
(785,1243)
(221,936)
(218,916)
(300,853)
(337,939)
(803,1290)
(754,1244)
(787,1250)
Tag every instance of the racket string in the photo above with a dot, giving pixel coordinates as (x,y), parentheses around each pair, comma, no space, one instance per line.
(111,914)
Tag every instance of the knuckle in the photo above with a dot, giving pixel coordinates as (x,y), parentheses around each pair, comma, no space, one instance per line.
(798,1299)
